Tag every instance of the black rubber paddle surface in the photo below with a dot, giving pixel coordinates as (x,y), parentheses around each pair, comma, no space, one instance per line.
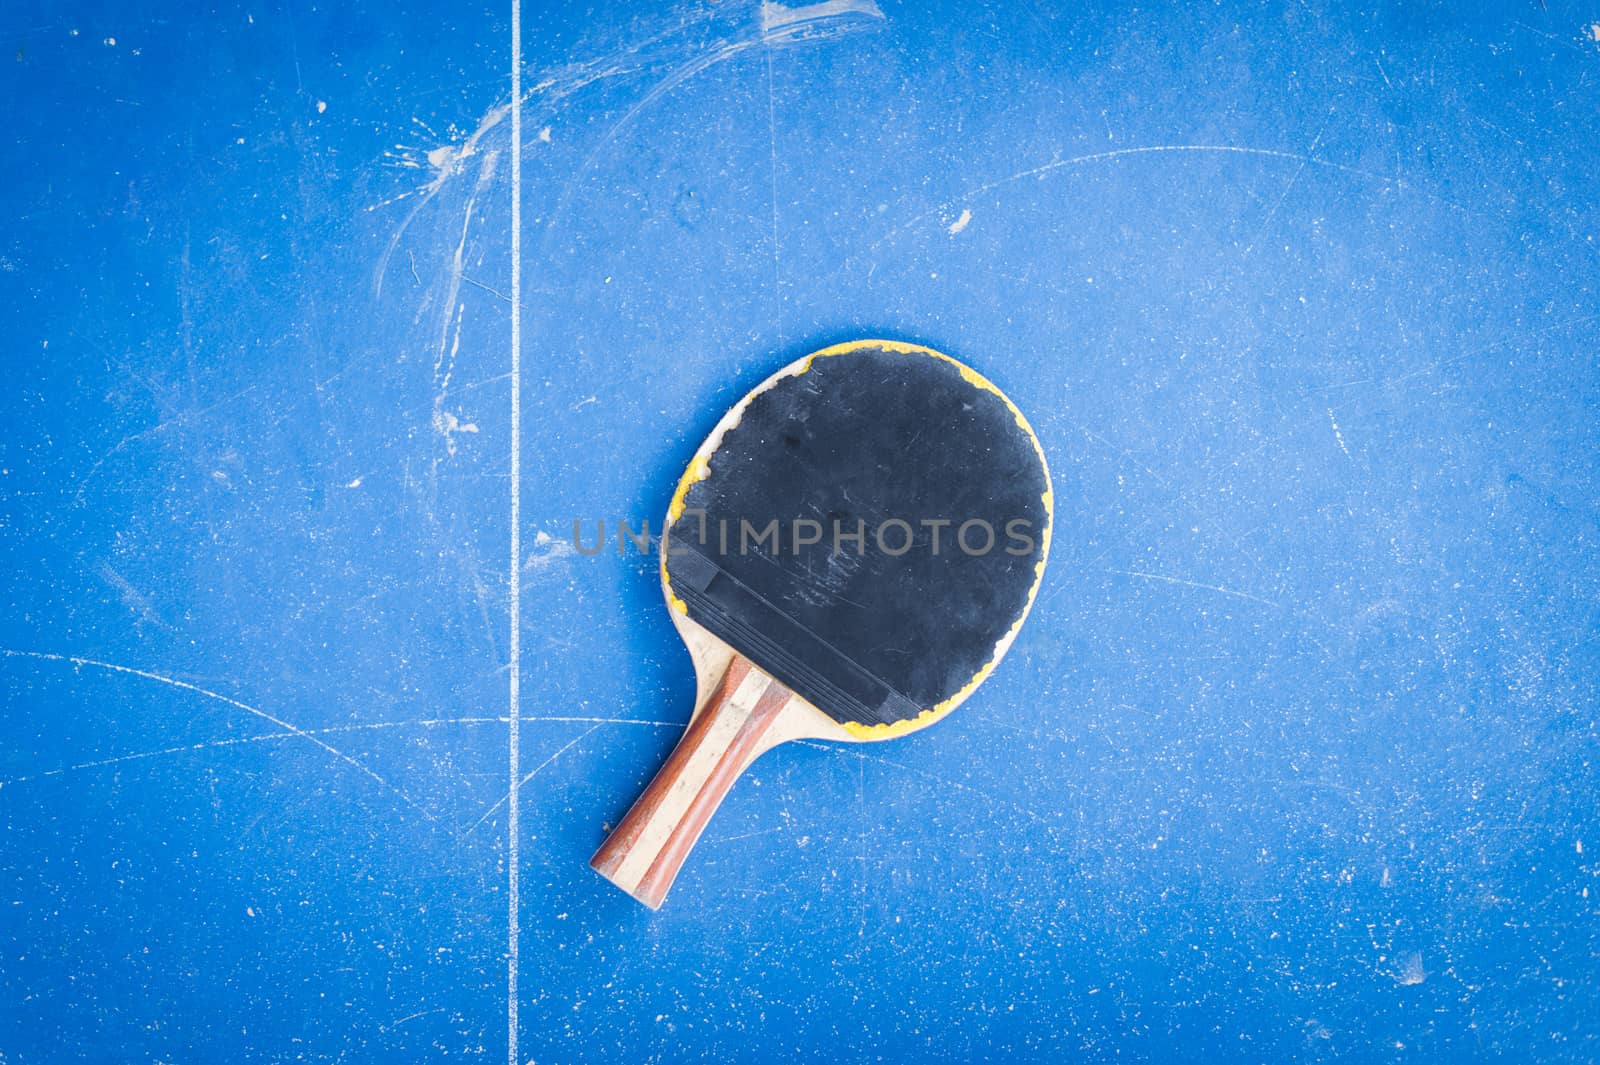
(868,533)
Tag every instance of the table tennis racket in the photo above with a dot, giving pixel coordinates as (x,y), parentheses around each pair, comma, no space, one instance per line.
(848,556)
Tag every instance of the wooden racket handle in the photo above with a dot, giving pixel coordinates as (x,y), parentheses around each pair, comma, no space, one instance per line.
(643,854)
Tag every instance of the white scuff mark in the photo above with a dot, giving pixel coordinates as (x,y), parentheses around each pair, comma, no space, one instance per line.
(322,105)
(1409,971)
(110,42)
(960,223)
(774,24)
(448,425)
(547,550)
(446,161)
(448,158)
(441,372)
(444,360)
(1337,435)
(356,483)
(584,402)
(793,20)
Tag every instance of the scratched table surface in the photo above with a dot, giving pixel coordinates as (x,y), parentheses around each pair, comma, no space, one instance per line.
(1296,758)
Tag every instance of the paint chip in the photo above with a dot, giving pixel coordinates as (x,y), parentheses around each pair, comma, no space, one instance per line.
(322,105)
(961,223)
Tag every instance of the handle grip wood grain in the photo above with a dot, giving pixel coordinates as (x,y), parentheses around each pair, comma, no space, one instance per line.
(646,850)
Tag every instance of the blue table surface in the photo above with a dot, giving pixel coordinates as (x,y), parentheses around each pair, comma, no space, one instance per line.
(1296,758)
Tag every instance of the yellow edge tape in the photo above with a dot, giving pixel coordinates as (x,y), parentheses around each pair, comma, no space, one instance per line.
(700,468)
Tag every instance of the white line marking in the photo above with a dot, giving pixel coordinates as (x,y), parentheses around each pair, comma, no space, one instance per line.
(514,574)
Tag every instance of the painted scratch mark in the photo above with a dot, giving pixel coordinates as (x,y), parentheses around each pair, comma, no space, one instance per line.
(161,427)
(748,835)
(136,602)
(1272,212)
(1337,435)
(511,796)
(1485,349)
(496,293)
(1194,584)
(276,737)
(772,143)
(1027,811)
(1122,153)
(413,1016)
(184,685)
